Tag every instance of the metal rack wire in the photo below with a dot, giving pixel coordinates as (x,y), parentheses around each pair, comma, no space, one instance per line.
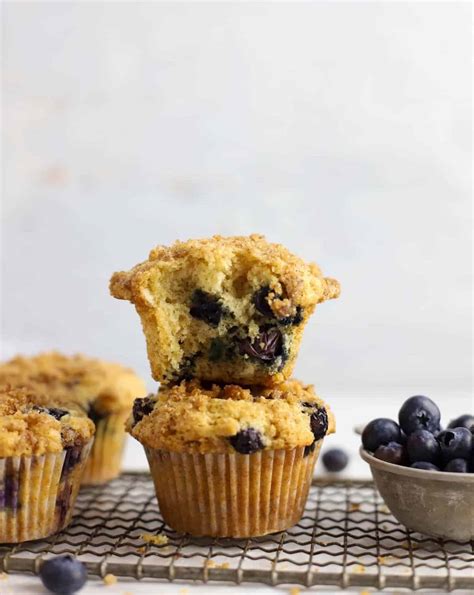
(346,538)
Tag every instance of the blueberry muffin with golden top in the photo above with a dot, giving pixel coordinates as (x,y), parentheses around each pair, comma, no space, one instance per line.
(224,309)
(44,445)
(105,391)
(229,461)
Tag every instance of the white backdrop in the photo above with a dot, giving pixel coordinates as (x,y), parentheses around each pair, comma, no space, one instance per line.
(341,130)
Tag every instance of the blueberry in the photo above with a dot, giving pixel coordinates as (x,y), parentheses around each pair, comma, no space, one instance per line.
(319,423)
(335,459)
(63,575)
(422,446)
(206,307)
(393,452)
(261,304)
(93,414)
(456,466)
(266,347)
(455,443)
(71,458)
(309,448)
(10,490)
(419,413)
(53,411)
(380,431)
(247,441)
(141,407)
(424,465)
(464,421)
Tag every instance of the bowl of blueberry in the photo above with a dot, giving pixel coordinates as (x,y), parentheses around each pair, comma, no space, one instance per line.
(424,473)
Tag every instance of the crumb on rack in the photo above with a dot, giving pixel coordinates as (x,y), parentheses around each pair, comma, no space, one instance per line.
(213,564)
(354,506)
(110,579)
(141,549)
(183,591)
(364,593)
(159,539)
(295,591)
(381,560)
(384,509)
(359,569)
(3,576)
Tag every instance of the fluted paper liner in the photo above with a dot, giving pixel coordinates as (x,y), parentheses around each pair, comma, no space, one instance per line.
(105,460)
(232,495)
(37,493)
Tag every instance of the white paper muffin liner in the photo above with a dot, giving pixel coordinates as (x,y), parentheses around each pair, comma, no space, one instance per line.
(37,493)
(105,460)
(232,495)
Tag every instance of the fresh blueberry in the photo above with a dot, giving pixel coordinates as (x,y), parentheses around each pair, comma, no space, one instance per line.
(247,441)
(393,452)
(206,307)
(319,423)
(335,459)
(457,466)
(422,446)
(455,443)
(424,465)
(419,413)
(141,407)
(266,347)
(380,431)
(53,411)
(464,421)
(63,575)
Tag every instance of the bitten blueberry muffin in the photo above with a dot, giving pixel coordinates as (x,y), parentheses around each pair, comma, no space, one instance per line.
(105,391)
(44,445)
(223,309)
(229,461)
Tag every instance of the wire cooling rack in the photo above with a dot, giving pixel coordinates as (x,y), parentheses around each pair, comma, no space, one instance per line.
(346,538)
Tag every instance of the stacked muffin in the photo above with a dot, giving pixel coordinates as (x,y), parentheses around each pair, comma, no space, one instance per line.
(231,442)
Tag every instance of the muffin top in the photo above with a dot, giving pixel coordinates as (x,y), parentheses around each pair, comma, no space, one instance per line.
(34,424)
(86,382)
(303,282)
(192,417)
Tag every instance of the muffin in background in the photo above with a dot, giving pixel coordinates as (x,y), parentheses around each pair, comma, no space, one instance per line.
(223,309)
(104,391)
(43,449)
(229,461)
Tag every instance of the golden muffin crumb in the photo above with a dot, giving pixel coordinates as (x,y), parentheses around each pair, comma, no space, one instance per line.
(83,380)
(159,539)
(35,424)
(193,417)
(224,309)
(110,579)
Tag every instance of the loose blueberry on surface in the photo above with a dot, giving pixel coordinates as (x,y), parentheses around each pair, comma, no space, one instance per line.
(53,411)
(424,465)
(63,575)
(457,466)
(419,413)
(422,446)
(393,452)
(380,431)
(206,307)
(455,443)
(141,407)
(247,441)
(464,421)
(335,460)
(266,347)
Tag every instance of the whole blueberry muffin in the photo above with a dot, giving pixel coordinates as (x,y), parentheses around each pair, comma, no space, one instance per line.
(229,461)
(224,309)
(44,446)
(104,391)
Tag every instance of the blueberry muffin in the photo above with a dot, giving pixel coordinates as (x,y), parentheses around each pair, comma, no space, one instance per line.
(43,450)
(223,309)
(229,461)
(105,391)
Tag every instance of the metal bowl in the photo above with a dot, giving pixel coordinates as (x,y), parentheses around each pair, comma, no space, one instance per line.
(432,502)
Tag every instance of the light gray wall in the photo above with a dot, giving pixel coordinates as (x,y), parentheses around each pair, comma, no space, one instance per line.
(340,130)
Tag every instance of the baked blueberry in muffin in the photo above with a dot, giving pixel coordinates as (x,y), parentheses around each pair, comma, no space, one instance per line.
(229,310)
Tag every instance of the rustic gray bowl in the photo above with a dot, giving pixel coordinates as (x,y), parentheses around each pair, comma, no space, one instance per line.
(432,502)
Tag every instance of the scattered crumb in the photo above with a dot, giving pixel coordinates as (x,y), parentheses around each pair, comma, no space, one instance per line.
(213,564)
(141,549)
(381,560)
(354,506)
(406,546)
(3,576)
(183,591)
(110,579)
(159,539)
(384,509)
(127,593)
(364,593)
(321,542)
(295,591)
(359,569)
